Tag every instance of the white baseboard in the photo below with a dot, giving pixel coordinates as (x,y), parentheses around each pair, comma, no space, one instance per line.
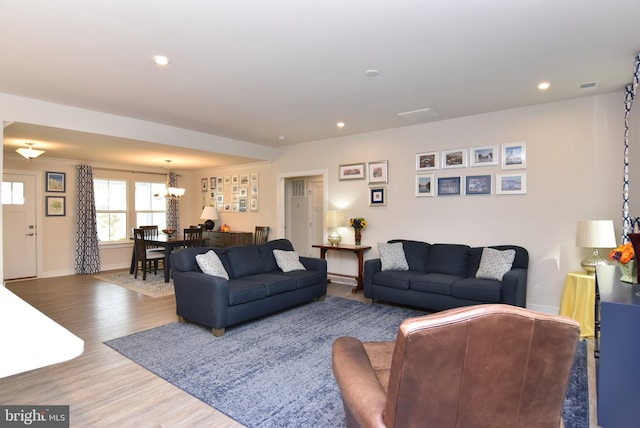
(551,310)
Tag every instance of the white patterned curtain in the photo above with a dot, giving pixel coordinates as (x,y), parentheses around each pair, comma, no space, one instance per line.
(627,221)
(87,252)
(172,204)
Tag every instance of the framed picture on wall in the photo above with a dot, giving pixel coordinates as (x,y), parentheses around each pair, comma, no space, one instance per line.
(514,155)
(212,183)
(484,156)
(456,158)
(449,186)
(511,184)
(424,185)
(377,196)
(56,181)
(56,206)
(378,172)
(203,185)
(426,161)
(478,185)
(354,171)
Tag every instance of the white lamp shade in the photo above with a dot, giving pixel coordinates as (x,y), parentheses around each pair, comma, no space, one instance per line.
(595,234)
(209,213)
(335,218)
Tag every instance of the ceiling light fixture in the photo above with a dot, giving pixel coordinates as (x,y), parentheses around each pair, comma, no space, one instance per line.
(29,152)
(340,124)
(172,192)
(161,60)
(543,86)
(371,73)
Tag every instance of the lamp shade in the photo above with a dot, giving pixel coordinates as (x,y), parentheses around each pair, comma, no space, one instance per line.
(595,234)
(209,213)
(335,218)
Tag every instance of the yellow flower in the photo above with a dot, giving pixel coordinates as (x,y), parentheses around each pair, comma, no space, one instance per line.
(358,223)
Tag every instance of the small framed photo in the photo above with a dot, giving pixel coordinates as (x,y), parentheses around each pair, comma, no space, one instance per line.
(377,196)
(448,186)
(242,205)
(424,185)
(254,189)
(511,184)
(456,158)
(254,177)
(244,179)
(212,183)
(514,155)
(203,185)
(234,188)
(227,180)
(426,161)
(354,171)
(220,198)
(56,206)
(253,205)
(484,155)
(235,179)
(220,181)
(243,192)
(478,185)
(378,172)
(56,181)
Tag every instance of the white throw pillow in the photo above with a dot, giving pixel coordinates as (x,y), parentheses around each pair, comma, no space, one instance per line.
(211,264)
(495,263)
(392,256)
(288,261)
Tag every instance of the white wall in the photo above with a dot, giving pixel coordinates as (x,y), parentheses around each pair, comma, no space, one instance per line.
(574,171)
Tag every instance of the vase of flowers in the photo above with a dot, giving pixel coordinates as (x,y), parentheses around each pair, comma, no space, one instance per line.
(358,223)
(625,256)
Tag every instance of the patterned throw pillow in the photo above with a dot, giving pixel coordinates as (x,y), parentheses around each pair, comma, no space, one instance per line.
(392,256)
(288,261)
(211,264)
(495,263)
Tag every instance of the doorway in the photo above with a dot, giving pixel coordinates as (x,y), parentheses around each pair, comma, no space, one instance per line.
(303,212)
(19,225)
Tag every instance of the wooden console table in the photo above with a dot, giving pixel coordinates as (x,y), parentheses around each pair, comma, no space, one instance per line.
(358,250)
(227,239)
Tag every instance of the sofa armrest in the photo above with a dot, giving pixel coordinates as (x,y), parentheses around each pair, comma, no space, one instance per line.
(315,264)
(202,298)
(514,287)
(363,396)
(370,267)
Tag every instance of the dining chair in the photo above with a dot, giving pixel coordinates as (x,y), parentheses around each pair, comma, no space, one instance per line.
(192,237)
(151,232)
(145,258)
(261,234)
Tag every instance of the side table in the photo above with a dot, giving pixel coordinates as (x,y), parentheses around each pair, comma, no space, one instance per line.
(578,301)
(358,250)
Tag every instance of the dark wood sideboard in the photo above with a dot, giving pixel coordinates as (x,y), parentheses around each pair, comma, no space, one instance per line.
(619,362)
(226,239)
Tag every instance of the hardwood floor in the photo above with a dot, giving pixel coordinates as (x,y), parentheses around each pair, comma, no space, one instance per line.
(103,388)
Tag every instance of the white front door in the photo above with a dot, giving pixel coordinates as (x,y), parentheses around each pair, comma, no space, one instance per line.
(19,225)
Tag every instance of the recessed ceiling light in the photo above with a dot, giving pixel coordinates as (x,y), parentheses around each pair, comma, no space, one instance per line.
(340,124)
(371,73)
(161,60)
(543,86)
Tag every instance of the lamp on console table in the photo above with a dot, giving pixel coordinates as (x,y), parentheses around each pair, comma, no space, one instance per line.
(209,214)
(594,234)
(335,219)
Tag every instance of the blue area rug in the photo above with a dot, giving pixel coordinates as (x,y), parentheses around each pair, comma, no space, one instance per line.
(276,371)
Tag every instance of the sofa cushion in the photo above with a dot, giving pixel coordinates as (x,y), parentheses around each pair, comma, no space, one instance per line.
(416,253)
(482,290)
(392,256)
(437,283)
(495,263)
(275,283)
(245,260)
(211,264)
(288,261)
(243,291)
(266,252)
(399,279)
(451,259)
(306,278)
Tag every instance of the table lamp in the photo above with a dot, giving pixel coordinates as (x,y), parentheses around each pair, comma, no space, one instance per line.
(335,219)
(209,214)
(594,234)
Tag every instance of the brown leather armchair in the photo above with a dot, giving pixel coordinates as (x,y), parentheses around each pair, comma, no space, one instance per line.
(477,366)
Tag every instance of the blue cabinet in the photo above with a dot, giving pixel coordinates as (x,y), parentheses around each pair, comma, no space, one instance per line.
(619,363)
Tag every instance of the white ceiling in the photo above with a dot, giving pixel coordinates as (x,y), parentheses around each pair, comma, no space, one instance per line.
(256,70)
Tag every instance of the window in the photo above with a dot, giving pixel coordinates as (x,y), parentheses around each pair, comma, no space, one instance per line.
(150,208)
(12,193)
(111,209)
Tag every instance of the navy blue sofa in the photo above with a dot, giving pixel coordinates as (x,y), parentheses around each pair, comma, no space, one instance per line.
(443,276)
(256,285)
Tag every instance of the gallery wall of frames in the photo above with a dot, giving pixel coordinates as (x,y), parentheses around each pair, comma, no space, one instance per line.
(232,193)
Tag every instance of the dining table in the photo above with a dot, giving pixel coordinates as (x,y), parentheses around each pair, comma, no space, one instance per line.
(168,243)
